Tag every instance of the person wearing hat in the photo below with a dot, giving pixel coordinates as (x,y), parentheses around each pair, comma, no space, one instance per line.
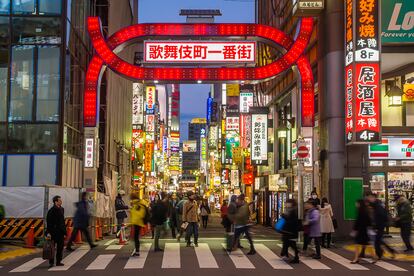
(190,215)
(120,208)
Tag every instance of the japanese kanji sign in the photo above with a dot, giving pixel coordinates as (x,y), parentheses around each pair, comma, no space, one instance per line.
(137,104)
(149,151)
(246,101)
(89,152)
(232,123)
(362,71)
(259,139)
(200,51)
(150,99)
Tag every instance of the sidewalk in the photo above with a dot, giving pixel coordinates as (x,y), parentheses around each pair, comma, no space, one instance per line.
(10,251)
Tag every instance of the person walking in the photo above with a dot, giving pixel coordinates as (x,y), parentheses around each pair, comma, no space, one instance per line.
(225,221)
(56,229)
(241,224)
(179,209)
(204,212)
(172,216)
(190,216)
(404,220)
(139,213)
(81,222)
(120,210)
(327,227)
(379,221)
(314,227)
(152,204)
(290,230)
(159,214)
(360,229)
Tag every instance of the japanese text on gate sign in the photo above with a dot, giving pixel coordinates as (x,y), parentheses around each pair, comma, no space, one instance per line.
(200,51)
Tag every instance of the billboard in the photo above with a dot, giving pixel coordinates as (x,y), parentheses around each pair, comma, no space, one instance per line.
(137,104)
(396,148)
(190,146)
(149,151)
(150,123)
(175,107)
(397,21)
(200,51)
(232,123)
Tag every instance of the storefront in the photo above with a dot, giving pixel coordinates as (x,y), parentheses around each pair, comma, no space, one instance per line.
(391,167)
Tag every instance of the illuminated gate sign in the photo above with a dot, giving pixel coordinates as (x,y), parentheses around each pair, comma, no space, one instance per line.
(362,72)
(106,56)
(200,51)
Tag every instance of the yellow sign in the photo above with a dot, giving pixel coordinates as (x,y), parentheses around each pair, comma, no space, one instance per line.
(149,150)
(408,92)
(233,90)
(237,155)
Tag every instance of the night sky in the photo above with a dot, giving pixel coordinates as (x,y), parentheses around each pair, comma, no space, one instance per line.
(193,96)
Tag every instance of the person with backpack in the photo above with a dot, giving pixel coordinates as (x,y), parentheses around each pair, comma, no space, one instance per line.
(380,221)
(139,218)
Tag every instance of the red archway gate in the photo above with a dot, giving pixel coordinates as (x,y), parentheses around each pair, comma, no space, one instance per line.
(106,56)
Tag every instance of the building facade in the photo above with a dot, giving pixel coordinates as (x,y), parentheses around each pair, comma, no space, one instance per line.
(44,53)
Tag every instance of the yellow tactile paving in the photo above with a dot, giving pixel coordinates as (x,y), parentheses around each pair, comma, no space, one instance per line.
(371,252)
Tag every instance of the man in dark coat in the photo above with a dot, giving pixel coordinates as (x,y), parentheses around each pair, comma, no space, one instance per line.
(120,208)
(290,230)
(55,228)
(81,222)
(159,214)
(380,221)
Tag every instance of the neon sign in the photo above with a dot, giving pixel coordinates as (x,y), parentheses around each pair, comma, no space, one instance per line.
(199,51)
(106,56)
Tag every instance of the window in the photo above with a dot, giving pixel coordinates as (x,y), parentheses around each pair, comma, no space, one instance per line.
(24,6)
(21,80)
(50,6)
(29,30)
(44,170)
(4,9)
(18,170)
(48,79)
(4,29)
(42,138)
(4,58)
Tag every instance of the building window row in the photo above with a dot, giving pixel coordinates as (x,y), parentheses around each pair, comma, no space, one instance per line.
(31,7)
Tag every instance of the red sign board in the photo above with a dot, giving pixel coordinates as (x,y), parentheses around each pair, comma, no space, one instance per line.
(362,72)
(303,151)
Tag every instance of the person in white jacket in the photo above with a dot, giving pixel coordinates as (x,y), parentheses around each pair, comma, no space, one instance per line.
(327,227)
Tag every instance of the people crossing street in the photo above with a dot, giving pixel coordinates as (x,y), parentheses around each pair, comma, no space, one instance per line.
(139,213)
(81,222)
(241,224)
(120,210)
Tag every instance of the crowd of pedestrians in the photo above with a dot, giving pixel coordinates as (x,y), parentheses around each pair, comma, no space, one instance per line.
(183,213)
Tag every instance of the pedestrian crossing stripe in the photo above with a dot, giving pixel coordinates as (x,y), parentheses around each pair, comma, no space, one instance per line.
(171,259)
(139,262)
(101,262)
(239,259)
(114,247)
(110,242)
(309,262)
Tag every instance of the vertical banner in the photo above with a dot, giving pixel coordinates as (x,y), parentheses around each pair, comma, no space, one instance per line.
(246,101)
(137,104)
(362,72)
(149,151)
(150,99)
(234,178)
(259,136)
(245,130)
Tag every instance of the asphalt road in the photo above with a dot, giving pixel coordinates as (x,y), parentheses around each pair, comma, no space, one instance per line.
(109,258)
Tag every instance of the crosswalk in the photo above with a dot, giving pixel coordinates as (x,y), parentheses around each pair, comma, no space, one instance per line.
(207,258)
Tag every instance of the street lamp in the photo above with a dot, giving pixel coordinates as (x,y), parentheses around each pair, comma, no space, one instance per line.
(394,95)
